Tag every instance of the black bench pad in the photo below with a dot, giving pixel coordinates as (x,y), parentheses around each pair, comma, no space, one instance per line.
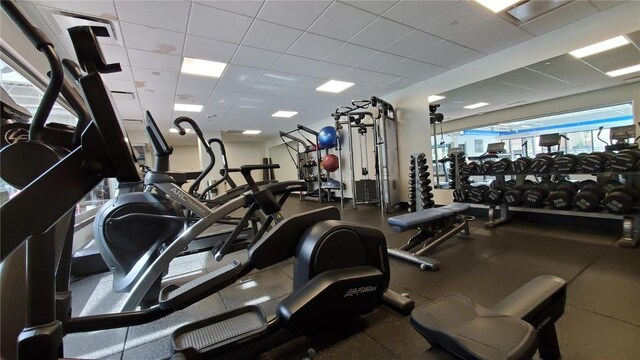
(471,331)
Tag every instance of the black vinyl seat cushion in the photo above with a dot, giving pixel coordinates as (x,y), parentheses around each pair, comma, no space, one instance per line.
(472,332)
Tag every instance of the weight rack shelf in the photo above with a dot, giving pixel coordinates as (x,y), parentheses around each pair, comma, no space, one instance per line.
(630,222)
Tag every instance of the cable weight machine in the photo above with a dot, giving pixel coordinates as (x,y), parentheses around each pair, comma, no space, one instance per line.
(383,188)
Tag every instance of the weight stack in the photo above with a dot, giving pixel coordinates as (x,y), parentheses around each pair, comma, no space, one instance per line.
(457,160)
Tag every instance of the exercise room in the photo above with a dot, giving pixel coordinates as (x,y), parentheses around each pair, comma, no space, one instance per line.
(318,179)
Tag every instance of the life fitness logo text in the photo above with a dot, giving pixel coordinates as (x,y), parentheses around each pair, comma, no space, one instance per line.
(16,135)
(360,290)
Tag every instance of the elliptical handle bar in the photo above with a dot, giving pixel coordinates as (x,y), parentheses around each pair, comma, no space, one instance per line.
(224,172)
(44,45)
(212,158)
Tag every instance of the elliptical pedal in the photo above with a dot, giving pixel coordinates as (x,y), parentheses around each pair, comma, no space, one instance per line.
(173,296)
(202,339)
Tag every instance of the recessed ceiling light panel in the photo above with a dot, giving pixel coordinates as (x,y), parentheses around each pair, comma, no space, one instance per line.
(434,98)
(335,86)
(284,114)
(497,5)
(624,71)
(202,67)
(187,107)
(251,132)
(600,47)
(476,105)
(174,130)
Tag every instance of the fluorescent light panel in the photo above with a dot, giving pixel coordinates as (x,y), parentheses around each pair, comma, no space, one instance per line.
(497,5)
(284,114)
(600,47)
(202,67)
(624,71)
(187,107)
(251,132)
(174,130)
(335,86)
(434,98)
(476,105)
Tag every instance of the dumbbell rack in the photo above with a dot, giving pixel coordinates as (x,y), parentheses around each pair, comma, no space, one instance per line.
(630,222)
(419,177)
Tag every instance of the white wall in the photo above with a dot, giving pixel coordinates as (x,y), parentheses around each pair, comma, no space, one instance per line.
(245,153)
(279,155)
(185,158)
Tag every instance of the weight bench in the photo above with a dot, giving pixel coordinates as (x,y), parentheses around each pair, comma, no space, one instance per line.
(435,225)
(514,328)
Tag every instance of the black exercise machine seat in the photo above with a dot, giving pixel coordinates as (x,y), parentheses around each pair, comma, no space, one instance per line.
(472,332)
(410,221)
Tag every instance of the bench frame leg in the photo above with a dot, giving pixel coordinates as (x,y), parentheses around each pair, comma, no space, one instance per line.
(417,257)
(548,342)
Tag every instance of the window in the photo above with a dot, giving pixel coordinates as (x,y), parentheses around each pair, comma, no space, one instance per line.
(28,95)
(478,145)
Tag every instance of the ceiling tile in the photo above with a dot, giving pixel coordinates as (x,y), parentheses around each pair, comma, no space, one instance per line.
(209,49)
(618,58)
(221,99)
(218,24)
(308,82)
(416,70)
(349,54)
(325,70)
(244,7)
(129,109)
(458,20)
(450,55)
(293,64)
(145,38)
(100,8)
(278,78)
(560,17)
(151,60)
(380,61)
(414,45)
(120,85)
(168,15)
(155,76)
(400,83)
(115,54)
(374,6)
(341,21)
(533,80)
(295,14)
(606,4)
(243,73)
(417,13)
(358,76)
(492,35)
(566,67)
(155,89)
(314,46)
(230,85)
(195,89)
(380,33)
(270,36)
(258,58)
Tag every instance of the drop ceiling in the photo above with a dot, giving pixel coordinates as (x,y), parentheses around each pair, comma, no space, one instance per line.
(280,51)
(560,76)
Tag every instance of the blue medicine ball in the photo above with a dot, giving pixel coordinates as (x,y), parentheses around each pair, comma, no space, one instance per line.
(327,137)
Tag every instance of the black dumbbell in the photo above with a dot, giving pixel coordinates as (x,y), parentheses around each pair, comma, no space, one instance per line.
(412,168)
(494,195)
(561,197)
(535,196)
(426,196)
(510,184)
(589,198)
(475,168)
(465,170)
(486,167)
(431,204)
(502,166)
(476,195)
(460,195)
(566,164)
(542,164)
(514,196)
(521,165)
(585,183)
(625,160)
(610,185)
(621,199)
(595,162)
(412,196)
